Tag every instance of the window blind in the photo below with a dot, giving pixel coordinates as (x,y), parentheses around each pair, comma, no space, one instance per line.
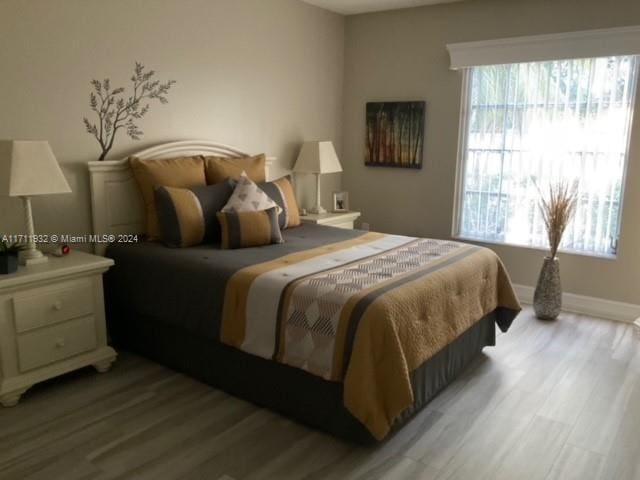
(531,124)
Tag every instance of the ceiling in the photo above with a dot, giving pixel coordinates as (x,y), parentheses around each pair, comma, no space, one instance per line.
(351,7)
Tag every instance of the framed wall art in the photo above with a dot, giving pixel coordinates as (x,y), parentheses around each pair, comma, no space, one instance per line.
(395,134)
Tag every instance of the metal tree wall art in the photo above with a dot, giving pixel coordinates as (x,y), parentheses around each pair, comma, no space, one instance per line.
(116,111)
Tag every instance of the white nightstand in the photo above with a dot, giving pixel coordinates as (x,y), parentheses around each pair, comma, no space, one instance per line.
(52,322)
(332,219)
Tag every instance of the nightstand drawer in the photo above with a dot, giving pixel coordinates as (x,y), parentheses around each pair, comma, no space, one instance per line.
(51,344)
(48,305)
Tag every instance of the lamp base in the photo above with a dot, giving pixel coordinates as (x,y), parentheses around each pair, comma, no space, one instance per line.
(32,257)
(317,210)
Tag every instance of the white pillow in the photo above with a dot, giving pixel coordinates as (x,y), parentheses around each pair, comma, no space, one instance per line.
(248,197)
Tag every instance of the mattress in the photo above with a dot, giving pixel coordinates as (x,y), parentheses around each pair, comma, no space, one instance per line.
(429,306)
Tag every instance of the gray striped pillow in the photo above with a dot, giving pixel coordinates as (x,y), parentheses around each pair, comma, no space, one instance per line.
(188,215)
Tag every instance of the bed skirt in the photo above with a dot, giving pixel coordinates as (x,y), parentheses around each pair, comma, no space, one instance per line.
(290,391)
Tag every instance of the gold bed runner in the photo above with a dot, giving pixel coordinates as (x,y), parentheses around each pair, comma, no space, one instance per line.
(389,328)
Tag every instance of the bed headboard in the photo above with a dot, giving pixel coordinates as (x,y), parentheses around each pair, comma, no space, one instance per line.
(116,203)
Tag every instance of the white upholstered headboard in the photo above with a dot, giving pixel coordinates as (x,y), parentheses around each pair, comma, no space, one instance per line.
(116,203)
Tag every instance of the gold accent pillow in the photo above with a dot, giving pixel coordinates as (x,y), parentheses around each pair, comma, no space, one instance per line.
(249,229)
(219,169)
(182,172)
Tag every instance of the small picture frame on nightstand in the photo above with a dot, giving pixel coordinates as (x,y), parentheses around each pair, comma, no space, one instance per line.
(340,202)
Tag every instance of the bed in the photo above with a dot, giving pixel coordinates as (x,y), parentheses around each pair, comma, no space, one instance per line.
(350,332)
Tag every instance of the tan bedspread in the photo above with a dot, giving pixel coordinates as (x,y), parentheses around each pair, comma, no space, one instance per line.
(366,311)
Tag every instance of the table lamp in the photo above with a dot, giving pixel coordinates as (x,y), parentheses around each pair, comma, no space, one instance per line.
(317,158)
(29,168)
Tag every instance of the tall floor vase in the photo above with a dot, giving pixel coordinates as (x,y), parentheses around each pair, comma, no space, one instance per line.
(547,299)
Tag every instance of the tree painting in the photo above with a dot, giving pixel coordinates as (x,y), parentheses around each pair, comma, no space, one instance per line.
(114,110)
(395,134)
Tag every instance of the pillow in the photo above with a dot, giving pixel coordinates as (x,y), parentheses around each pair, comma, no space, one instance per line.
(171,172)
(281,191)
(249,229)
(248,197)
(188,215)
(219,169)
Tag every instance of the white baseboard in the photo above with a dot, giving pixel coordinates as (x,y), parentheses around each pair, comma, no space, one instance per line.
(592,306)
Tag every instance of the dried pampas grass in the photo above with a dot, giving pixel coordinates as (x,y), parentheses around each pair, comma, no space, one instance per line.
(557,209)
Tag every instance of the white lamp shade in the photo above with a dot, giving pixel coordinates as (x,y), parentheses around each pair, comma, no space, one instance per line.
(29,168)
(317,157)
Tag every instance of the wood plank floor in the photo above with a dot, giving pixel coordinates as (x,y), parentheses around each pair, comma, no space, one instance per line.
(554,400)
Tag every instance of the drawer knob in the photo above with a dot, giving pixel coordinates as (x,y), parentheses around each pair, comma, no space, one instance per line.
(57,305)
(60,343)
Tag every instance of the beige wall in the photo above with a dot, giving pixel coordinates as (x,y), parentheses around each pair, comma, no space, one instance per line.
(259,75)
(401,55)
(264,75)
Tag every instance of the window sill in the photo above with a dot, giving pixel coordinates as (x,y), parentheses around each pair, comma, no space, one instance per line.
(602,256)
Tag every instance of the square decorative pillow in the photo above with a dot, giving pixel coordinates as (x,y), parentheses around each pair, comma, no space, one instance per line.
(248,197)
(281,192)
(219,169)
(249,229)
(188,215)
(180,172)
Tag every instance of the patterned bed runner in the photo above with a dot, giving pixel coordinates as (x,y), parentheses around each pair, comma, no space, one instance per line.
(366,311)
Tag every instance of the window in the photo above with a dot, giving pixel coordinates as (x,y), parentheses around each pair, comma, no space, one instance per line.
(526,125)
